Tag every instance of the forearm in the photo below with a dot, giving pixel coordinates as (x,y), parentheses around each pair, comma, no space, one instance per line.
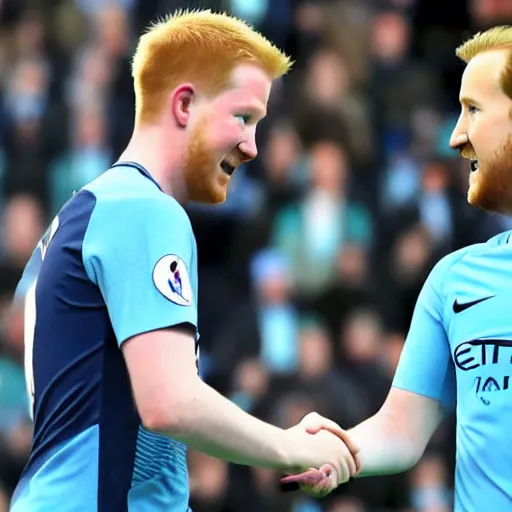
(210,423)
(385,447)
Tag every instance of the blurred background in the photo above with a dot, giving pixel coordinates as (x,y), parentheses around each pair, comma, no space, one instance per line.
(310,271)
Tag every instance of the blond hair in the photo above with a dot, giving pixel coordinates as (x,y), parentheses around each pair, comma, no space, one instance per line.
(197,46)
(492,39)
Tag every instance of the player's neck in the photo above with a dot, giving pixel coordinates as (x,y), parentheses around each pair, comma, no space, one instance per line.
(161,157)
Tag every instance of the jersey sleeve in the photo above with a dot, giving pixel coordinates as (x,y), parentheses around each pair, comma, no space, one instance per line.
(141,254)
(425,365)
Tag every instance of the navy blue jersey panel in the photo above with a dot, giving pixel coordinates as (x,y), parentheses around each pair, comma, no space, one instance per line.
(70,330)
(80,378)
(119,427)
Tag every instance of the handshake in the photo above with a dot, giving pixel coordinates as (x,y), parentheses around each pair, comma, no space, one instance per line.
(328,458)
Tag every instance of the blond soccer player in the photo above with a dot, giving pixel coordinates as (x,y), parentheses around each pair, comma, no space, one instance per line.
(111,337)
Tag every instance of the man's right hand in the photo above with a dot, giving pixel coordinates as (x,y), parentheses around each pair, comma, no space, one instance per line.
(322,448)
(314,423)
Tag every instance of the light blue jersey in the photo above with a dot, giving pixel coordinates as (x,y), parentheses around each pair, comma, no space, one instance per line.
(118,260)
(459,352)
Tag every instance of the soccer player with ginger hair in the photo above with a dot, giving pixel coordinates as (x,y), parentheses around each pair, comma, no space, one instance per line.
(459,347)
(110,294)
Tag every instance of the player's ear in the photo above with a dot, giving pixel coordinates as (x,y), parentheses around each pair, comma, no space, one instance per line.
(181,101)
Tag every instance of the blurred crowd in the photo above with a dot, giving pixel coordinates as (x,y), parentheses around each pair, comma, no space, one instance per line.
(310,271)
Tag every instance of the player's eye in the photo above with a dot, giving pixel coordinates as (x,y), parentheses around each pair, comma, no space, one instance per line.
(472,109)
(243,119)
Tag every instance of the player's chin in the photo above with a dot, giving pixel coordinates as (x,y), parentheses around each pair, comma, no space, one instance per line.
(219,198)
(475,192)
(215,194)
(487,198)
(220,189)
(475,199)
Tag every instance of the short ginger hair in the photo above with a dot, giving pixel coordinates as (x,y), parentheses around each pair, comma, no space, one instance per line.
(201,47)
(493,39)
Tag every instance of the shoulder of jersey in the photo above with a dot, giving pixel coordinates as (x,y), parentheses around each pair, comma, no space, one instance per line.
(119,182)
(500,239)
(134,191)
(494,241)
(447,262)
(451,259)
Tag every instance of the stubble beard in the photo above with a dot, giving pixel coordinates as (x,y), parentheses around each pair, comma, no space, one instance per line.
(491,186)
(202,173)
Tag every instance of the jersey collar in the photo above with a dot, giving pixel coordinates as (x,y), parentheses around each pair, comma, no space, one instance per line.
(139,168)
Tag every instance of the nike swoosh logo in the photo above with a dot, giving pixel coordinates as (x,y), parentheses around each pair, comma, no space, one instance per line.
(459,307)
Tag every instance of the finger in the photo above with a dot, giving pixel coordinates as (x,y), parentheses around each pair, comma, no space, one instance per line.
(310,478)
(351,464)
(325,485)
(334,476)
(345,437)
(335,429)
(314,422)
(314,425)
(357,460)
(313,482)
(354,463)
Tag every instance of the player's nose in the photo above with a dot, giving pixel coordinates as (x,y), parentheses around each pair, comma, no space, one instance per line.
(459,137)
(248,150)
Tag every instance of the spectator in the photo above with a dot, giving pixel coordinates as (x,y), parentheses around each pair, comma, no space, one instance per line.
(312,231)
(87,158)
(255,326)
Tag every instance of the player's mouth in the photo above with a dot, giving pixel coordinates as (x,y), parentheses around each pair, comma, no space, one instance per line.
(469,153)
(227,167)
